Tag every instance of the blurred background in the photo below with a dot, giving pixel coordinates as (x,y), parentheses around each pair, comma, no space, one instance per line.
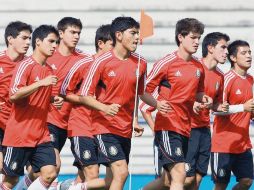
(233,17)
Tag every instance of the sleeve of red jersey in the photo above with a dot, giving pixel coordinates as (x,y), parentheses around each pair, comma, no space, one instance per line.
(157,74)
(226,89)
(20,77)
(91,79)
(146,108)
(142,80)
(201,84)
(219,96)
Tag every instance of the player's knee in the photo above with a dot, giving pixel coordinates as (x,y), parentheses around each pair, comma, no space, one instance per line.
(122,174)
(11,180)
(246,183)
(49,175)
(91,172)
(189,181)
(178,170)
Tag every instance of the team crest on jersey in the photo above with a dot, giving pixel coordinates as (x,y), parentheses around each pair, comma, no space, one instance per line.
(1,70)
(217,86)
(178,151)
(113,150)
(221,172)
(198,73)
(52,137)
(14,166)
(87,154)
(187,167)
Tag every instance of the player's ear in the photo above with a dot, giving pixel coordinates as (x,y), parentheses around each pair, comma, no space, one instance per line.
(233,58)
(100,44)
(119,36)
(37,42)
(180,37)
(9,39)
(210,49)
(60,34)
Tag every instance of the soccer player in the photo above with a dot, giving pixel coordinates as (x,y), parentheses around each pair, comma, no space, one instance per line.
(185,74)
(26,135)
(214,51)
(17,39)
(112,115)
(80,132)
(231,145)
(161,181)
(62,60)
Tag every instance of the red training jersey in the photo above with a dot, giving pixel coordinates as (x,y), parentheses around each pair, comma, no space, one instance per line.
(231,132)
(27,124)
(213,88)
(6,68)
(119,78)
(186,79)
(79,123)
(61,65)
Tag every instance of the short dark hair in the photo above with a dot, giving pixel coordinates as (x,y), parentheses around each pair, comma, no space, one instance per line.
(14,28)
(120,24)
(233,49)
(42,32)
(103,34)
(212,39)
(68,21)
(187,25)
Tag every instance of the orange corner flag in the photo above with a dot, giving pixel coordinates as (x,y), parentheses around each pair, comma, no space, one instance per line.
(146,26)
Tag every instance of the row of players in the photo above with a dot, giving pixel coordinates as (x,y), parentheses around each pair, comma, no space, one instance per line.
(33,90)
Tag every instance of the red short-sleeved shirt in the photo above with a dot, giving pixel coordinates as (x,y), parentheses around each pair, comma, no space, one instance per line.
(79,123)
(231,132)
(186,80)
(6,69)
(119,78)
(27,124)
(61,65)
(214,89)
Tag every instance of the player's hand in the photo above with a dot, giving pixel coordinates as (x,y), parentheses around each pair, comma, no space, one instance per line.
(58,102)
(1,104)
(163,107)
(224,107)
(49,80)
(138,131)
(112,109)
(249,106)
(207,101)
(197,106)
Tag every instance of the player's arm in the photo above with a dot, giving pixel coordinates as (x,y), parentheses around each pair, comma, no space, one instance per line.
(91,102)
(238,108)
(88,88)
(148,118)
(156,75)
(28,90)
(73,79)
(248,106)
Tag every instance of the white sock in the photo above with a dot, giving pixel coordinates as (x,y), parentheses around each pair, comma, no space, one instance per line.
(1,178)
(38,184)
(78,186)
(53,185)
(24,183)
